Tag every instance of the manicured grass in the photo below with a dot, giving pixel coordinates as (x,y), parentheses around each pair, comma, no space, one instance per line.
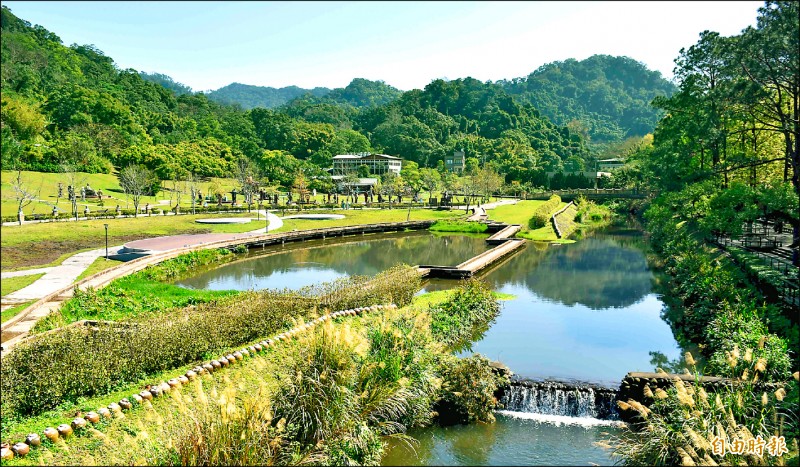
(12,284)
(459,226)
(521,213)
(51,242)
(366,216)
(9,313)
(100,264)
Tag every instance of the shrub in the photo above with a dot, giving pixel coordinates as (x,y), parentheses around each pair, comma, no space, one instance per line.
(542,214)
(468,389)
(678,426)
(472,306)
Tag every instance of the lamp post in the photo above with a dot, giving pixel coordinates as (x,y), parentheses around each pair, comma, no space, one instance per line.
(106,226)
(266,219)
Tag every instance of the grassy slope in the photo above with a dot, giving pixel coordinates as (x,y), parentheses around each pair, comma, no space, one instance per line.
(47,186)
(99,264)
(11,312)
(246,376)
(50,242)
(521,213)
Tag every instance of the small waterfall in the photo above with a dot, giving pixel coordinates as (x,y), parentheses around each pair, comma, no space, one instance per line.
(560,400)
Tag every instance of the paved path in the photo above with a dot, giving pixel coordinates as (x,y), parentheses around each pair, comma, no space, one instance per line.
(55,278)
(180,241)
(58,277)
(26,272)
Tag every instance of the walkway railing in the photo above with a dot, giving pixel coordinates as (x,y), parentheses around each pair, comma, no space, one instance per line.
(591,193)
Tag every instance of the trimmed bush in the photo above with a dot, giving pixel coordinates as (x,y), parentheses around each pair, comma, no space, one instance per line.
(542,214)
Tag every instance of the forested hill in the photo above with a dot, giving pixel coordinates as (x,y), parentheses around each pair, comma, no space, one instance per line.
(167,82)
(359,93)
(603,97)
(72,106)
(249,96)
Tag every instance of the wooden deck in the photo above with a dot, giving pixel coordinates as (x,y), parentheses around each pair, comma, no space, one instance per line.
(504,234)
(469,267)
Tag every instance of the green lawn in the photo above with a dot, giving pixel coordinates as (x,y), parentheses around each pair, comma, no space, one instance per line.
(49,243)
(12,284)
(46,184)
(100,264)
(9,313)
(521,213)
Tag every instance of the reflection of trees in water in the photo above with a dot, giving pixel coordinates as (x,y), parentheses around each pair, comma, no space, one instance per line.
(352,256)
(599,272)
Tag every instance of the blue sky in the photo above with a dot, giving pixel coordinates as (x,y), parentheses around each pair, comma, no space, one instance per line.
(207,45)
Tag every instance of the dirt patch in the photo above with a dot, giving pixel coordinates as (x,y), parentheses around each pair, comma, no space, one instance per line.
(44,251)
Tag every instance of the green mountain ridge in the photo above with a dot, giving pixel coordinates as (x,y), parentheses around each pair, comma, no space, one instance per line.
(74,106)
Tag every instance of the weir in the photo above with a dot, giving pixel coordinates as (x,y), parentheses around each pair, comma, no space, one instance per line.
(560,398)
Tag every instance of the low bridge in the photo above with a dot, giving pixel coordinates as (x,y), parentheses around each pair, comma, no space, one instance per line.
(590,193)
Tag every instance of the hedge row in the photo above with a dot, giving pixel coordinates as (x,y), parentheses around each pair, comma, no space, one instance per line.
(78,361)
(542,214)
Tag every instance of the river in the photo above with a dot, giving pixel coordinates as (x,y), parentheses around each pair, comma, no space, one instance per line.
(585,311)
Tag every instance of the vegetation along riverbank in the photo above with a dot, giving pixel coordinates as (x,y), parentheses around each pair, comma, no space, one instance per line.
(331,395)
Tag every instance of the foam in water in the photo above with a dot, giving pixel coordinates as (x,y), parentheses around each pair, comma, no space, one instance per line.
(558,404)
(560,420)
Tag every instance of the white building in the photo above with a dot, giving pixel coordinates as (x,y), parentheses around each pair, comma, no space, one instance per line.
(378,164)
(610,164)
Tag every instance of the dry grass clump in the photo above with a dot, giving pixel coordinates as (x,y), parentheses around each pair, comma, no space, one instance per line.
(686,424)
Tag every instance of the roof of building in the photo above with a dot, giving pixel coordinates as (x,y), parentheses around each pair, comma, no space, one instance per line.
(362,156)
(615,159)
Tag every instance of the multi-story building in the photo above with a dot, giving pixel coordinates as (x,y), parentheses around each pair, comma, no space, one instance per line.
(378,164)
(610,164)
(456,162)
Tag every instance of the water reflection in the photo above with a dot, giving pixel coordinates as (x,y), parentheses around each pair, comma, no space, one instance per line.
(599,273)
(298,264)
(508,441)
(584,311)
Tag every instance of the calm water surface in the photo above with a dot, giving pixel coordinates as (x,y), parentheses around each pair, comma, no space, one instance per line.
(299,264)
(508,441)
(585,311)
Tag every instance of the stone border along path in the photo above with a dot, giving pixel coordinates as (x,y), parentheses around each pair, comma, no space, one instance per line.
(115,409)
